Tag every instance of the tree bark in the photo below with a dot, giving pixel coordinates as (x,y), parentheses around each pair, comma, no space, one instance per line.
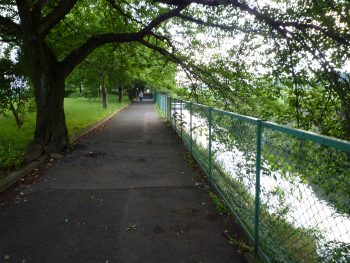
(19,122)
(120,93)
(48,79)
(51,132)
(104,94)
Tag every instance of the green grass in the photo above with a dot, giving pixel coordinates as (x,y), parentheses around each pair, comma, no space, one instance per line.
(79,112)
(83,112)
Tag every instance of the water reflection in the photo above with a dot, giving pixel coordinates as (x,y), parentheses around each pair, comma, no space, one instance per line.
(305,208)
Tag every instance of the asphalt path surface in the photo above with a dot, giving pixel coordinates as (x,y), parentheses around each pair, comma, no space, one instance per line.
(125,194)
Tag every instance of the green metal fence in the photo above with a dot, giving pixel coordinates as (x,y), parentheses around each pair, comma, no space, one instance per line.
(289,189)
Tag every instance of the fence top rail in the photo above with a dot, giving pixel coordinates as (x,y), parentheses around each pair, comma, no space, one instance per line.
(237,116)
(187,102)
(311,136)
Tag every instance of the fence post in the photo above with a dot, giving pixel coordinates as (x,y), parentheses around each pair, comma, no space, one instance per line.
(164,111)
(257,187)
(181,123)
(191,128)
(210,109)
(168,103)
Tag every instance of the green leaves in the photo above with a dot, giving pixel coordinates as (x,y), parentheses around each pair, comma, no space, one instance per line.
(131,227)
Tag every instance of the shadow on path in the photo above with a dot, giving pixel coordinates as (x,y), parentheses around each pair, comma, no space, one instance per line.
(124,194)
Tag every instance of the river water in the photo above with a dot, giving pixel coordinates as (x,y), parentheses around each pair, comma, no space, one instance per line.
(306,209)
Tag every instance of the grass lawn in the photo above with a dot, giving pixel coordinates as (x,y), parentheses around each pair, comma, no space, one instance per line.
(79,112)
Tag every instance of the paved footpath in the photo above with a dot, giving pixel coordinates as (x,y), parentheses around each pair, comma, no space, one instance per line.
(124,194)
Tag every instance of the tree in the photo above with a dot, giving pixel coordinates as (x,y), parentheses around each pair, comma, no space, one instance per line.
(45,27)
(14,91)
(294,41)
(59,35)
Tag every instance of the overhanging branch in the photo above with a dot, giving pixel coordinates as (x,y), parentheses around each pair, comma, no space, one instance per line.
(223,27)
(10,25)
(54,17)
(277,25)
(78,55)
(8,40)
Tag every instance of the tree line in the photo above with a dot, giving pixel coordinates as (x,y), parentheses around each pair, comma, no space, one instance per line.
(301,45)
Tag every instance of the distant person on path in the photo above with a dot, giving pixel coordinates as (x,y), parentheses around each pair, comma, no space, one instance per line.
(141,95)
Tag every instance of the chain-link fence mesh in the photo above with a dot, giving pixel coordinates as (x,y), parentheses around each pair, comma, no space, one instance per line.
(302,211)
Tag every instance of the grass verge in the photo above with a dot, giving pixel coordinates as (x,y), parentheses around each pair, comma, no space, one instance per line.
(80,113)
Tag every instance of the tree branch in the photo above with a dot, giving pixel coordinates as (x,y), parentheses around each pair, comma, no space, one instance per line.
(279,26)
(53,18)
(43,3)
(78,55)
(116,7)
(162,18)
(188,2)
(10,25)
(186,67)
(8,40)
(223,27)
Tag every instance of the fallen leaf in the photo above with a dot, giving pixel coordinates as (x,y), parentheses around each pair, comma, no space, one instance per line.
(133,227)
(7,257)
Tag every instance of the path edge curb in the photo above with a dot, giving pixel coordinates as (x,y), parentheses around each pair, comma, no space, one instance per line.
(13,177)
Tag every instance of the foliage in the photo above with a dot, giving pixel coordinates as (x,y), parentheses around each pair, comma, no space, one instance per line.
(121,65)
(14,92)
(288,163)
(14,142)
(239,55)
(336,252)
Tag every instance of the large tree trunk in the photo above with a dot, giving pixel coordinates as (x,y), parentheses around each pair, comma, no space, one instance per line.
(51,132)
(48,77)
